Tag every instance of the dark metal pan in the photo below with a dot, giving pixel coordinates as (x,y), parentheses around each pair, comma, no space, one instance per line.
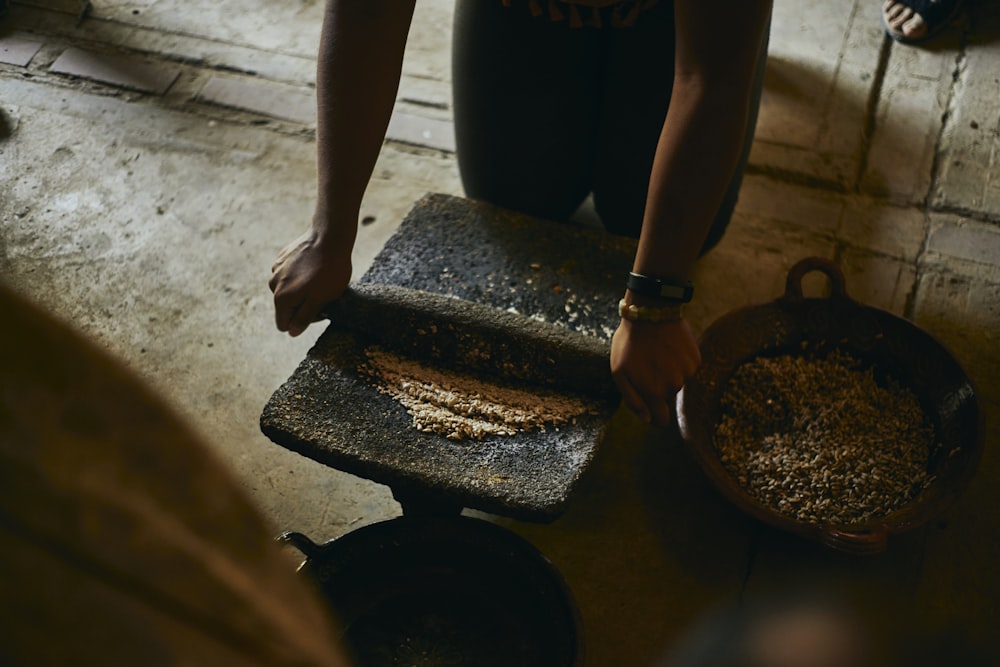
(429,590)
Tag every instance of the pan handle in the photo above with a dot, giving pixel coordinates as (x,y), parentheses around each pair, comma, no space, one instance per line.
(793,284)
(309,548)
(863,543)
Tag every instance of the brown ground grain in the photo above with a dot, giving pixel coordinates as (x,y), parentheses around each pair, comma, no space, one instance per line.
(821,441)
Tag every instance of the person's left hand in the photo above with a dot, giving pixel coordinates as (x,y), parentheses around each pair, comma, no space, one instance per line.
(650,363)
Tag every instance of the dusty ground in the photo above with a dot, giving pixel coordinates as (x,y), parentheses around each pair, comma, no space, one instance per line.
(143,202)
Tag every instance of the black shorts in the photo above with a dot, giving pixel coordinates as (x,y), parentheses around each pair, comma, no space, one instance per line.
(547,114)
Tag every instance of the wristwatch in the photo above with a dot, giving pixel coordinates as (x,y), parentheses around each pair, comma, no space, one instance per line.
(655,288)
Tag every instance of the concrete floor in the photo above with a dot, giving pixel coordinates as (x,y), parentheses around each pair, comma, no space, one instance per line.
(156,155)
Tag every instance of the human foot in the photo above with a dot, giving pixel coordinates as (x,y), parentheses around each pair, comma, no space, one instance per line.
(912,21)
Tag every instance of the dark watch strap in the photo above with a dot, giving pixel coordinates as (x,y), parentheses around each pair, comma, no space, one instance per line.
(667,290)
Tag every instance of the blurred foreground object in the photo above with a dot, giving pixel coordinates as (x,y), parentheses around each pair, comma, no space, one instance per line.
(123,541)
(782,632)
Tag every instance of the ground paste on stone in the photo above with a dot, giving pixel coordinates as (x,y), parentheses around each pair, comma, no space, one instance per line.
(462,407)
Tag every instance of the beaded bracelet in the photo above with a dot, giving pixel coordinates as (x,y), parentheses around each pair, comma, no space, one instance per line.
(634,313)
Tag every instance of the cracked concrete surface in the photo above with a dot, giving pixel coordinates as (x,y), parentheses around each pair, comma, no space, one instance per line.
(149,221)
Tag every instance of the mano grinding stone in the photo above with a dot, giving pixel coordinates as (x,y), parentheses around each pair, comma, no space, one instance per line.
(459,335)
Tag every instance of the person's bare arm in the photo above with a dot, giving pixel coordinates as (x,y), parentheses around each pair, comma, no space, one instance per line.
(358,71)
(717,50)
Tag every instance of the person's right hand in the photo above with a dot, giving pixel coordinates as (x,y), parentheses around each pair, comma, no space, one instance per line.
(306,277)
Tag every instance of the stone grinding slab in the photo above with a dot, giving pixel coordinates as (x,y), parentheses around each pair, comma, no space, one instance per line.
(475,289)
(568,275)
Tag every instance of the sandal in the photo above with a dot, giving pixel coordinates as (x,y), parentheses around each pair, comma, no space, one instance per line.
(936,14)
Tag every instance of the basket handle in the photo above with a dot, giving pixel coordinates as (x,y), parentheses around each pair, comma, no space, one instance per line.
(793,284)
(866,543)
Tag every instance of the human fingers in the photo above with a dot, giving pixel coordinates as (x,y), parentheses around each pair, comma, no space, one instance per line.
(286,302)
(274,280)
(307,313)
(660,409)
(657,394)
(633,401)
